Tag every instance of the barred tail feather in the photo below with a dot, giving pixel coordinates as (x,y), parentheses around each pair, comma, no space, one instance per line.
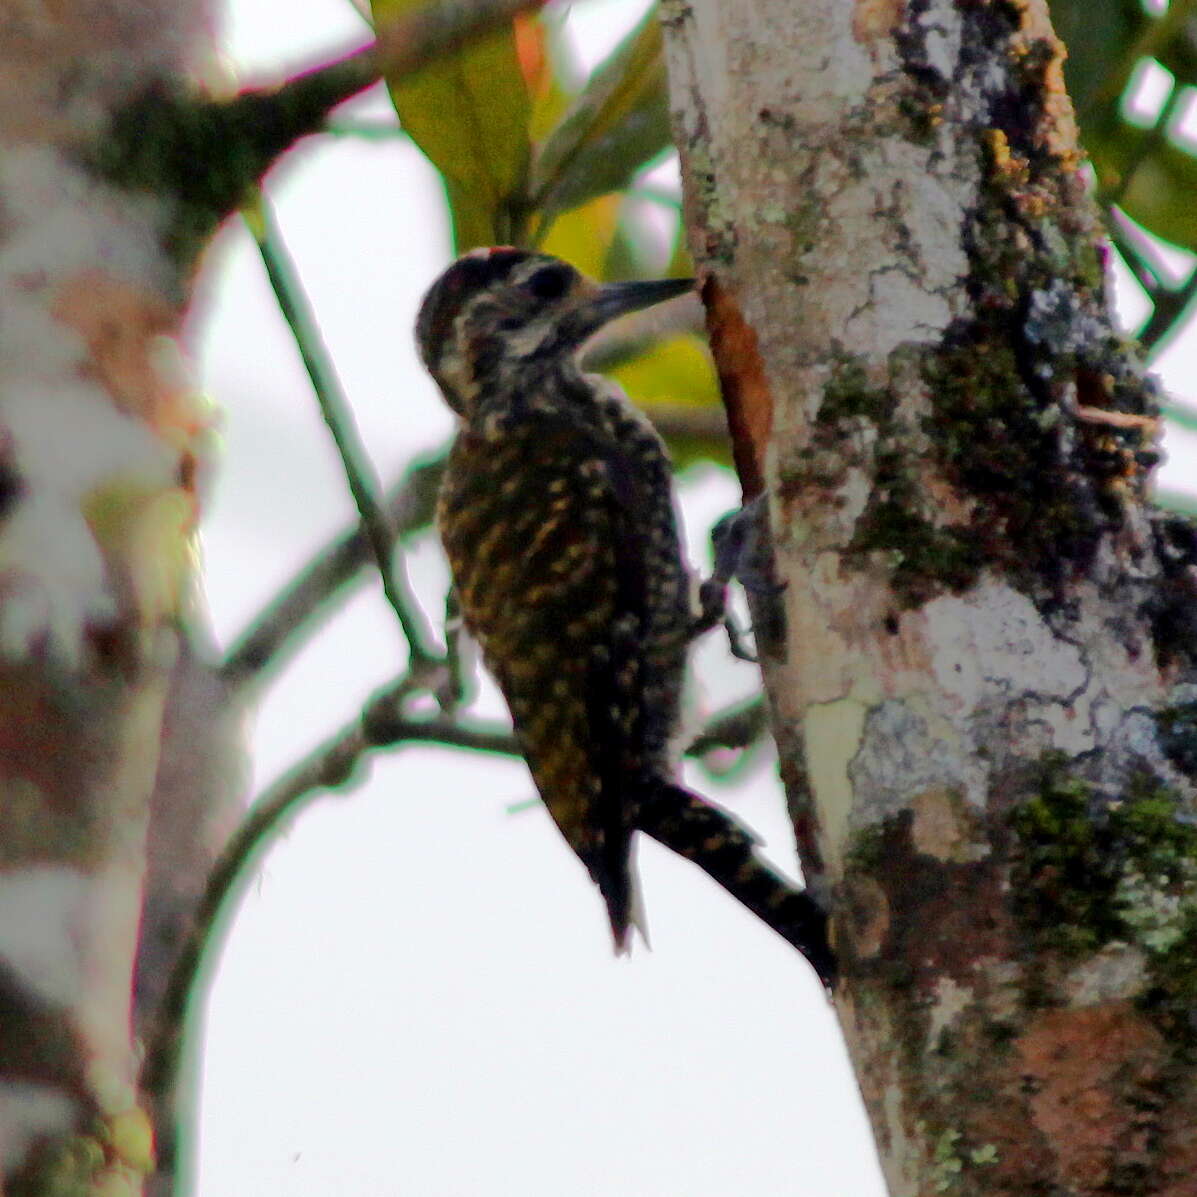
(726,851)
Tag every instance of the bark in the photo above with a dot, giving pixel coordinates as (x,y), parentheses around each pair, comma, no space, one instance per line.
(982,673)
(120,761)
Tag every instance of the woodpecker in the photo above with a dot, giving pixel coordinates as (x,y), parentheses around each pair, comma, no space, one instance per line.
(557,516)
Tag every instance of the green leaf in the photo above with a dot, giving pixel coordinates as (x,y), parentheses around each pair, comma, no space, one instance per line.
(469,113)
(675,383)
(1146,172)
(552,81)
(618,123)
(1159,194)
(1145,169)
(584,236)
(1098,35)
(674,373)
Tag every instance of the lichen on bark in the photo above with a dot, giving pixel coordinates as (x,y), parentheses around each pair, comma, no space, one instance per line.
(988,664)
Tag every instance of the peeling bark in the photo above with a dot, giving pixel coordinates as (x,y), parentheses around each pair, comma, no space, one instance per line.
(985,693)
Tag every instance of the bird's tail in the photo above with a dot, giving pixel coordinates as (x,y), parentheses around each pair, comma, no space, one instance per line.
(726,851)
(624,895)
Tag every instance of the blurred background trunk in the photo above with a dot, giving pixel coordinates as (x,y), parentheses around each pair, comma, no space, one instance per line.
(121,768)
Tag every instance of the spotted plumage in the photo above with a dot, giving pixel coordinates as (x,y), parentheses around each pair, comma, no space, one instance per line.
(557,517)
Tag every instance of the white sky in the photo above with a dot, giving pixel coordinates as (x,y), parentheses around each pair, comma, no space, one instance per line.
(418,996)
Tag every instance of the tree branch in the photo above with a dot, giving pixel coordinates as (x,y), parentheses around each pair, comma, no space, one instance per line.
(209,155)
(280,628)
(332,765)
(338,415)
(1167,312)
(381,724)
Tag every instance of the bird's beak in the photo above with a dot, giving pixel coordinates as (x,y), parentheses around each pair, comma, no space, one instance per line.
(617,299)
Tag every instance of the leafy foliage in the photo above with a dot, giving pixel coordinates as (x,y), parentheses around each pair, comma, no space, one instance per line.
(618,122)
(469,113)
(1131,70)
(531,156)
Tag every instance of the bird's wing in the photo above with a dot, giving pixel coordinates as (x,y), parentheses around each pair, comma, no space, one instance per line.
(544,531)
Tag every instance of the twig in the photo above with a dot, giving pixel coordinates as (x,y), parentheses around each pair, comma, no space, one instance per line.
(401,47)
(738,726)
(666,197)
(1168,308)
(457,689)
(365,130)
(1168,301)
(333,764)
(279,629)
(363,483)
(1146,273)
(155,142)
(1147,425)
(676,421)
(1180,415)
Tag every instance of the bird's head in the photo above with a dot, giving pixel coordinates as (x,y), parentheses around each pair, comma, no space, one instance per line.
(498,314)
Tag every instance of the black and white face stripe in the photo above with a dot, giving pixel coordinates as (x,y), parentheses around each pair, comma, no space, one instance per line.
(498,319)
(463,282)
(489,307)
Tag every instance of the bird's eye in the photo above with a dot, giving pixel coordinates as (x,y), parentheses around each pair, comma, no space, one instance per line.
(550,282)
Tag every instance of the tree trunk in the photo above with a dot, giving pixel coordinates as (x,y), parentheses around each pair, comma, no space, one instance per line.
(983,679)
(107,827)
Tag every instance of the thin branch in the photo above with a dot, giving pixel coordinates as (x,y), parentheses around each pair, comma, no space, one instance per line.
(279,629)
(664,196)
(676,421)
(401,47)
(1146,273)
(363,482)
(1168,307)
(333,764)
(156,140)
(459,659)
(365,130)
(1181,415)
(739,726)
(1168,300)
